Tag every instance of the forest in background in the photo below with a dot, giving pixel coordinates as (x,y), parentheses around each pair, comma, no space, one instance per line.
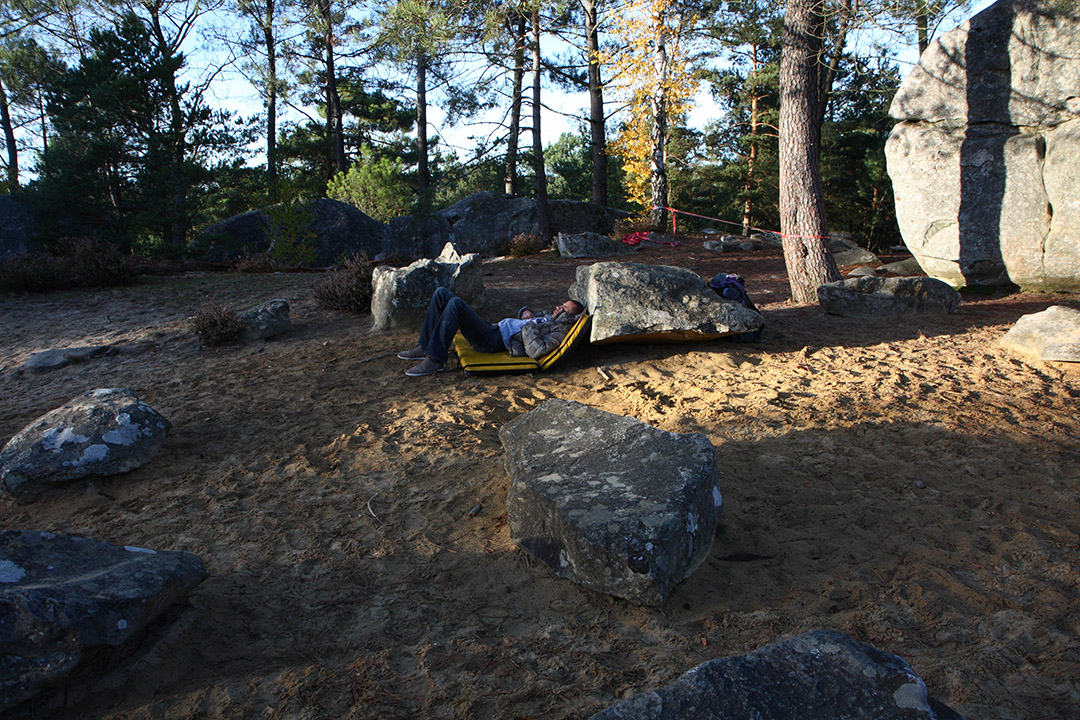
(98,99)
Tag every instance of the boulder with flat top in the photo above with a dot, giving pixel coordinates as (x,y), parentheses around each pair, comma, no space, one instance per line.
(631,302)
(608,501)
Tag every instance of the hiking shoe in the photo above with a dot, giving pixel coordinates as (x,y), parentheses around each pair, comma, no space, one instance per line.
(426,367)
(417,353)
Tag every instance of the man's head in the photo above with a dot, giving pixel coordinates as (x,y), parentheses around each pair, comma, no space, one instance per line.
(570,307)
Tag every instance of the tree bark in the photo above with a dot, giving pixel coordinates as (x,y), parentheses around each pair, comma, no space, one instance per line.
(658,136)
(802,206)
(271,103)
(751,160)
(597,133)
(423,173)
(9,139)
(175,232)
(510,175)
(829,70)
(335,131)
(543,210)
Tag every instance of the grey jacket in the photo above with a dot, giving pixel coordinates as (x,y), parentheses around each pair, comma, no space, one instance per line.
(537,339)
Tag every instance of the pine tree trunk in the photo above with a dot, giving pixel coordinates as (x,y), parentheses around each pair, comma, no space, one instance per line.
(423,173)
(271,103)
(543,210)
(802,205)
(597,134)
(335,132)
(751,160)
(510,174)
(830,69)
(9,140)
(176,226)
(658,136)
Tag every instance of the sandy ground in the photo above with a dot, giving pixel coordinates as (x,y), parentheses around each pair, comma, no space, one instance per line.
(905,481)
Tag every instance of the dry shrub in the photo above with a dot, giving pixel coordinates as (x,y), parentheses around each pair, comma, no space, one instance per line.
(261,263)
(75,263)
(633,225)
(347,289)
(526,244)
(217,325)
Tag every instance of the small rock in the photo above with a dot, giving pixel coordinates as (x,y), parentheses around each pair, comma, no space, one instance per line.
(56,358)
(1052,335)
(103,432)
(870,296)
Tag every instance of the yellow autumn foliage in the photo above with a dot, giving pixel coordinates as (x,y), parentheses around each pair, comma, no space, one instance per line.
(637,77)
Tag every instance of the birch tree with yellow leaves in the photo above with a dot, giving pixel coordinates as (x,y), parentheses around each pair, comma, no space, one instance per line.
(651,71)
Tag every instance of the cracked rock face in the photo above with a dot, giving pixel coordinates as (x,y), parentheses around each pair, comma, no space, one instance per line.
(103,432)
(983,159)
(608,501)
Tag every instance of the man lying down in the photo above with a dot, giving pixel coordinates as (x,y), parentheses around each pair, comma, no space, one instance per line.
(527,334)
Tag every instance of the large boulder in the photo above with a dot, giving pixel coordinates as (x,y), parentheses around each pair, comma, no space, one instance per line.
(400,296)
(983,159)
(631,301)
(486,223)
(64,598)
(18,223)
(1052,335)
(819,675)
(103,432)
(608,501)
(334,229)
(869,296)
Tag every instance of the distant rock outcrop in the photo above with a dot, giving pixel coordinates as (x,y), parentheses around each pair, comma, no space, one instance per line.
(17,225)
(867,296)
(485,223)
(400,296)
(608,501)
(983,160)
(634,301)
(818,675)
(103,432)
(64,598)
(334,229)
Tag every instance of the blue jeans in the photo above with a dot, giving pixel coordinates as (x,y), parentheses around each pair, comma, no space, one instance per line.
(447,313)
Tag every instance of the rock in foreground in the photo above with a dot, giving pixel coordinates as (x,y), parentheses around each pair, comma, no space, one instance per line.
(631,301)
(608,501)
(820,675)
(63,597)
(103,432)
